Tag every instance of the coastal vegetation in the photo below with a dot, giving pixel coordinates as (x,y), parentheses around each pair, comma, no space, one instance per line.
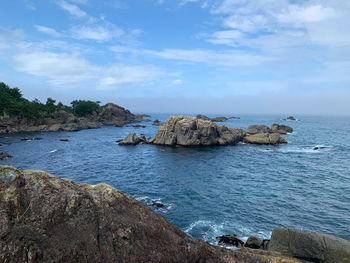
(13,103)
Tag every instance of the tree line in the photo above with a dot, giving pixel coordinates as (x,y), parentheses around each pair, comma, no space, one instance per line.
(12,103)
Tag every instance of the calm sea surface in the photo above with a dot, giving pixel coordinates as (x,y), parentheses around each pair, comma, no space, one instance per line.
(211,191)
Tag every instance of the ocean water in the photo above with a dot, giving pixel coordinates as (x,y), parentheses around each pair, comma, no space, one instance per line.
(242,189)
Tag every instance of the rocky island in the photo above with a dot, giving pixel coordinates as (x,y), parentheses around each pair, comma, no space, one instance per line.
(190,131)
(17,114)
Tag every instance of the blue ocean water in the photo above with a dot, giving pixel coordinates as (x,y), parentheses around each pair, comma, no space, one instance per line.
(242,189)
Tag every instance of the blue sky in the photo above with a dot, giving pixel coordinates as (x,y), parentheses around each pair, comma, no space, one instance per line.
(227,56)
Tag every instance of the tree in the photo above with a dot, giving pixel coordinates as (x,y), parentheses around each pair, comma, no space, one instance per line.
(82,108)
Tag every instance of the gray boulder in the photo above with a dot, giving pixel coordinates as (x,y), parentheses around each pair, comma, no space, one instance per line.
(188,131)
(131,139)
(264,138)
(4,155)
(312,247)
(255,129)
(282,129)
(254,242)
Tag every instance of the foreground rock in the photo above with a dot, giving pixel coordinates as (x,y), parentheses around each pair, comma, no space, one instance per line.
(265,138)
(254,242)
(132,139)
(188,131)
(4,155)
(47,219)
(310,246)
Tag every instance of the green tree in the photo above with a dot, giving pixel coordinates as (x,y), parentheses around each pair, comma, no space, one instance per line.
(82,108)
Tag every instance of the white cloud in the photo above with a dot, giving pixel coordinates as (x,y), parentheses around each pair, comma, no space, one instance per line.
(48,31)
(98,33)
(70,70)
(71,9)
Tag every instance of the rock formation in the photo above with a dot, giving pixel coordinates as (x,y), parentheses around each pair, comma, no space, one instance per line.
(132,139)
(265,138)
(110,114)
(47,219)
(291,118)
(281,129)
(310,246)
(255,129)
(188,131)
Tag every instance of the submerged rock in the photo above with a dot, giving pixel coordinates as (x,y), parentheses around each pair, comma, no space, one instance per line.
(282,129)
(131,139)
(4,155)
(230,240)
(64,140)
(48,219)
(189,131)
(158,204)
(265,138)
(291,118)
(310,246)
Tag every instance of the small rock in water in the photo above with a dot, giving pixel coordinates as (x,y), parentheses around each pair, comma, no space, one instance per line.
(291,118)
(319,147)
(158,204)
(37,138)
(230,240)
(4,155)
(25,139)
(64,140)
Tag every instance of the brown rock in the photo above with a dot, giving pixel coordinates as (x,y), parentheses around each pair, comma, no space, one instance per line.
(131,139)
(254,242)
(188,131)
(47,219)
(256,129)
(232,240)
(264,138)
(282,129)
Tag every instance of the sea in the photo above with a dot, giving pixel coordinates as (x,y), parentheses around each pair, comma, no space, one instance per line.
(211,191)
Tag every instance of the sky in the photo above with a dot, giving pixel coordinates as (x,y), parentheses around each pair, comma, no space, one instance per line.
(181,56)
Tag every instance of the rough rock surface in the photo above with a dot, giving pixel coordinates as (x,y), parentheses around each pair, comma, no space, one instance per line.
(188,131)
(256,129)
(4,155)
(254,242)
(47,219)
(265,138)
(110,114)
(232,240)
(282,129)
(310,246)
(131,139)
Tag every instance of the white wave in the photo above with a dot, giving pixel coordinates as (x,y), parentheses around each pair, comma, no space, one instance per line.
(53,151)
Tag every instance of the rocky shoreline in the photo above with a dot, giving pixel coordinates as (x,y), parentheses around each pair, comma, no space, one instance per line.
(110,114)
(190,131)
(47,219)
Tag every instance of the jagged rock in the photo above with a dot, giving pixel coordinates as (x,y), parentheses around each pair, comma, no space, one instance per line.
(203,117)
(282,129)
(291,118)
(131,139)
(230,240)
(189,131)
(47,219)
(254,242)
(310,246)
(256,129)
(4,155)
(265,138)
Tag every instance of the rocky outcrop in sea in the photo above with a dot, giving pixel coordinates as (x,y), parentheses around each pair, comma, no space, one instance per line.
(47,219)
(189,131)
(110,114)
